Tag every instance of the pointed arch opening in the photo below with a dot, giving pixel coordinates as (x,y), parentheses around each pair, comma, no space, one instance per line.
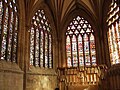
(41,54)
(80,43)
(114,32)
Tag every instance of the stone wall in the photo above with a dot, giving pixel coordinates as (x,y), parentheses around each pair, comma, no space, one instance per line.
(11,76)
(41,79)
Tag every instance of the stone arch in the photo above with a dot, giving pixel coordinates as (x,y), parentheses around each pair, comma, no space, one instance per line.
(86,15)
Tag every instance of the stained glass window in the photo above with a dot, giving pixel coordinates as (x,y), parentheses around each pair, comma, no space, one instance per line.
(40,41)
(114,31)
(80,43)
(8,30)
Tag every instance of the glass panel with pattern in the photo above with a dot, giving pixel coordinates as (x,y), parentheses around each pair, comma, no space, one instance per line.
(92,49)
(37,47)
(50,52)
(80,43)
(8,30)
(41,49)
(80,50)
(86,50)
(31,46)
(74,51)
(40,41)
(46,50)
(1,15)
(68,51)
(4,37)
(114,32)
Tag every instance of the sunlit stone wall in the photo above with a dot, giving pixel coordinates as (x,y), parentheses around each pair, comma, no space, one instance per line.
(41,79)
(11,76)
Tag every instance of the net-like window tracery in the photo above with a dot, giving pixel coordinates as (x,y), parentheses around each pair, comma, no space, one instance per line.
(8,30)
(40,41)
(80,43)
(114,31)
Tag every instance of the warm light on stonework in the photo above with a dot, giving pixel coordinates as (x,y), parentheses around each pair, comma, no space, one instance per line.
(114,32)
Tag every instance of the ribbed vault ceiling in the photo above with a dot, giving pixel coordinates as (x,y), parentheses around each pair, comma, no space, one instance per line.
(62,7)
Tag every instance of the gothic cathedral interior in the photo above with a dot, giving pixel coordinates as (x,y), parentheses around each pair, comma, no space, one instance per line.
(59,44)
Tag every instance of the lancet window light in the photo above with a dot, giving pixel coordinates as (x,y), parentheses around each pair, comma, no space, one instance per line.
(80,43)
(114,32)
(8,30)
(41,41)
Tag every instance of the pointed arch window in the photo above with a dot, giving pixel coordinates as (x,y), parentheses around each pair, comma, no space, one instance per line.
(41,41)
(114,31)
(8,30)
(80,43)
